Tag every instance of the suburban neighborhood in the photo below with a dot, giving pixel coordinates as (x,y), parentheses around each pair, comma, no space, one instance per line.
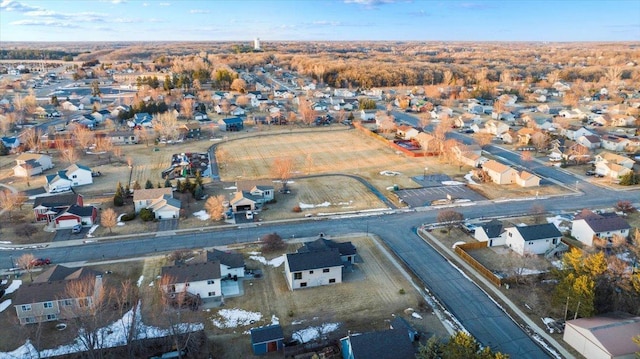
(231,200)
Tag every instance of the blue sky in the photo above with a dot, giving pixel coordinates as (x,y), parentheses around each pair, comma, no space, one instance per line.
(342,20)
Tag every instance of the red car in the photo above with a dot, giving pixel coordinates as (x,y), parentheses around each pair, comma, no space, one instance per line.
(40,262)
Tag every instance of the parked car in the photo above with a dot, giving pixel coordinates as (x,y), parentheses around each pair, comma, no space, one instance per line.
(590,173)
(38,262)
(76,229)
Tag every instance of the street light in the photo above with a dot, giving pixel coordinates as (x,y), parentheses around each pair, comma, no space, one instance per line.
(424,175)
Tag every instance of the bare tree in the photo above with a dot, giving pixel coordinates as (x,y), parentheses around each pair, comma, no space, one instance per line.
(83,136)
(109,125)
(104,145)
(166,125)
(272,242)
(624,206)
(449,218)
(540,140)
(222,156)
(27,262)
(8,201)
(526,156)
(483,139)
(307,113)
(340,116)
(282,168)
(308,163)
(32,139)
(215,207)
(186,108)
(239,85)
(387,123)
(538,211)
(109,219)
(242,101)
(67,152)
(143,135)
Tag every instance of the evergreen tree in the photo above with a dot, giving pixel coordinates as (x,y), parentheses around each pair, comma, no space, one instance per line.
(148,184)
(136,186)
(351,117)
(198,193)
(3,149)
(432,349)
(188,185)
(54,101)
(167,183)
(198,179)
(118,197)
(159,185)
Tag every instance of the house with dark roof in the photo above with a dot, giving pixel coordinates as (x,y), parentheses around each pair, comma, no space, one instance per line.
(534,239)
(587,225)
(604,336)
(30,164)
(200,280)
(267,339)
(491,232)
(75,215)
(346,249)
(386,344)
(312,269)
(10,143)
(231,263)
(46,208)
(48,299)
(231,124)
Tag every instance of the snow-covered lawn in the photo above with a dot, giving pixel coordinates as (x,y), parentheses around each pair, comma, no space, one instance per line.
(233,318)
(558,221)
(275,262)
(452,183)
(310,206)
(308,334)
(13,286)
(202,215)
(469,178)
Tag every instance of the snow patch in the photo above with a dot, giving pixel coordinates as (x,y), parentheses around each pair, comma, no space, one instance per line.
(4,305)
(416,315)
(469,178)
(140,280)
(310,206)
(233,318)
(558,222)
(232,187)
(5,242)
(452,183)
(15,284)
(275,262)
(202,215)
(92,229)
(308,334)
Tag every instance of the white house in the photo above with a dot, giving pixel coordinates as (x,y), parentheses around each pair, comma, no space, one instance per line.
(144,197)
(201,280)
(491,232)
(30,164)
(367,115)
(587,225)
(11,143)
(312,269)
(231,264)
(58,182)
(166,207)
(79,174)
(535,239)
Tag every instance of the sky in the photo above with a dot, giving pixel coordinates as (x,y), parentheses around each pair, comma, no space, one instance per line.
(319,20)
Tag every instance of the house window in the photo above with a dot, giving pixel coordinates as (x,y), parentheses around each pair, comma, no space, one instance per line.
(48,304)
(186,285)
(297,275)
(29,320)
(212,294)
(510,234)
(326,270)
(310,272)
(555,240)
(74,176)
(52,317)
(25,307)
(530,243)
(67,302)
(303,284)
(83,302)
(332,280)
(211,281)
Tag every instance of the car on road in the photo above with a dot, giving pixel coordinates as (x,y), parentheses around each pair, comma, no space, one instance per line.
(38,262)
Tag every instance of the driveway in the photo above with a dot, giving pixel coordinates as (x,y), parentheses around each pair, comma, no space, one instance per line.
(167,225)
(65,234)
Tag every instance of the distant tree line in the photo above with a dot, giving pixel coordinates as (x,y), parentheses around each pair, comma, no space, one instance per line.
(32,54)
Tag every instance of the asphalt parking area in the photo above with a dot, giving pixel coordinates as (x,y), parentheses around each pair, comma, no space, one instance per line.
(420,197)
(65,234)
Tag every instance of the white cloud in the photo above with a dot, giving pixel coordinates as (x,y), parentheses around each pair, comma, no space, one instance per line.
(164,4)
(43,22)
(326,23)
(199,11)
(369,3)
(10,5)
(145,4)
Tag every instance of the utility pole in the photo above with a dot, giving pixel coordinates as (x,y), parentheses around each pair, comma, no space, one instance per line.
(575,316)
(566,309)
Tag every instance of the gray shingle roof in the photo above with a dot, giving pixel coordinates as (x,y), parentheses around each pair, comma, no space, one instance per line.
(266,334)
(51,285)
(57,200)
(323,244)
(186,273)
(81,211)
(493,228)
(388,344)
(607,223)
(313,260)
(232,260)
(539,231)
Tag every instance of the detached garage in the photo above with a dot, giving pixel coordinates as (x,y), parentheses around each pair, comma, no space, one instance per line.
(604,337)
(267,339)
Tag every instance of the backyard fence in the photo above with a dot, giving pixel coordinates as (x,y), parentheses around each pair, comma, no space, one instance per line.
(461,251)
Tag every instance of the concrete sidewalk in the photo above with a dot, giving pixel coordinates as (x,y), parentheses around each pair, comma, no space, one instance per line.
(495,292)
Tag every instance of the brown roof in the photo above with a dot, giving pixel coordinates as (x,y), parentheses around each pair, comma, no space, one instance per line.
(604,222)
(524,175)
(612,332)
(495,166)
(249,185)
(51,285)
(188,273)
(152,193)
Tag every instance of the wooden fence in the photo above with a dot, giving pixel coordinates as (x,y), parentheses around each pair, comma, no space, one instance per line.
(461,251)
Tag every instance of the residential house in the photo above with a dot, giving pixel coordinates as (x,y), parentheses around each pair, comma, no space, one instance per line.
(166,207)
(267,339)
(610,157)
(191,130)
(30,164)
(509,136)
(197,280)
(589,141)
(527,179)
(491,232)
(465,121)
(312,269)
(200,116)
(231,263)
(57,183)
(406,132)
(231,124)
(346,249)
(613,165)
(573,133)
(499,173)
(251,194)
(470,155)
(587,225)
(524,135)
(45,208)
(538,120)
(604,336)
(101,115)
(386,344)
(368,115)
(614,143)
(85,216)
(123,137)
(47,298)
(496,128)
(79,175)
(10,143)
(142,198)
(141,119)
(534,239)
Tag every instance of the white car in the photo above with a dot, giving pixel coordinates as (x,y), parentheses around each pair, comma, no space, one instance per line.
(249,215)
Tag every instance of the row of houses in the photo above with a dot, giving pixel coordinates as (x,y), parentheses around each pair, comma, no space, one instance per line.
(542,238)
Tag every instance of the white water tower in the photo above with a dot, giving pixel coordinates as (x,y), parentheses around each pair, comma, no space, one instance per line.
(256,44)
